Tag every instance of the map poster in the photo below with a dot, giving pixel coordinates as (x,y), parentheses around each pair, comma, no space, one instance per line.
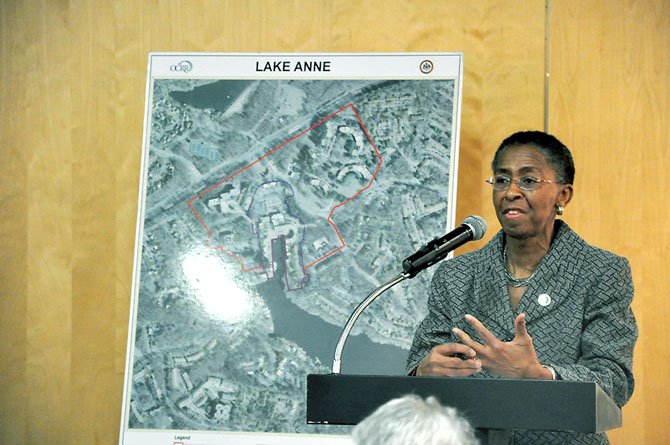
(277,192)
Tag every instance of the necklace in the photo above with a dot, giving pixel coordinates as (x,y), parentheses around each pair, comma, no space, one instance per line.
(511,279)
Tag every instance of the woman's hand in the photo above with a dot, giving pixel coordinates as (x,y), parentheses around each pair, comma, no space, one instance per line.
(513,359)
(450,359)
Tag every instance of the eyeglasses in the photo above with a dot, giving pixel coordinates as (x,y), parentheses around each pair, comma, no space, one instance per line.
(527,183)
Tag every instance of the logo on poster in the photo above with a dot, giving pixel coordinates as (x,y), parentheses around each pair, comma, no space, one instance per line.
(184,66)
(426,66)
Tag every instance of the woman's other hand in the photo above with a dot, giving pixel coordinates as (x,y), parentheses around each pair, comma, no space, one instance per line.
(451,360)
(512,359)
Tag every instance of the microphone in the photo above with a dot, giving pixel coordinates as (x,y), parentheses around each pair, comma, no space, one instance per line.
(472,229)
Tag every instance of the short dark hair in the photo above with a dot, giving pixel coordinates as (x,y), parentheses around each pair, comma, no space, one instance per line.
(556,153)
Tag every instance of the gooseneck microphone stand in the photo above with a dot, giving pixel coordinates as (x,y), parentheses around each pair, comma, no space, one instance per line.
(473,228)
(337,360)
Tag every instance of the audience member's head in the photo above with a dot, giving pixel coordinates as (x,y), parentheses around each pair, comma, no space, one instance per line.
(411,420)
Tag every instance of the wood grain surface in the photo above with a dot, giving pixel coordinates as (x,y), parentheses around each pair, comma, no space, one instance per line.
(72,109)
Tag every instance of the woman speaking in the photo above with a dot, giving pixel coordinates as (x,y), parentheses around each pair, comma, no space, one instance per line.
(537,301)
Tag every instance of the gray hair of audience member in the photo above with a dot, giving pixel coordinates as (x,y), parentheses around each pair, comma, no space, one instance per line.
(411,420)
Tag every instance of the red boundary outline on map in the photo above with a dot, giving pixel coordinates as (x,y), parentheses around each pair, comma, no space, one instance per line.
(273,151)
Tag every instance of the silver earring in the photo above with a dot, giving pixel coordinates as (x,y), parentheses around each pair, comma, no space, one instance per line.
(559,209)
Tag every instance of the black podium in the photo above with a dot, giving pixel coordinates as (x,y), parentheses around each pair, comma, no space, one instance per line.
(493,406)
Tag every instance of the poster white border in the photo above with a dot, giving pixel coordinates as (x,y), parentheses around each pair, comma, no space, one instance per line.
(262,66)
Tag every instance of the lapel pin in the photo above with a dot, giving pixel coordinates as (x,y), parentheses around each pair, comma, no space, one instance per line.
(544,300)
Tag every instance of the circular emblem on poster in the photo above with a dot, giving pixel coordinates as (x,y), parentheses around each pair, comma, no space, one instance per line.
(426,66)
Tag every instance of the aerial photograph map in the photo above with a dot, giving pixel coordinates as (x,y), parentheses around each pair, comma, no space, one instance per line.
(271,208)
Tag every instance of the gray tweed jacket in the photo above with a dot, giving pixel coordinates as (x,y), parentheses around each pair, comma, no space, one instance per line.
(585,329)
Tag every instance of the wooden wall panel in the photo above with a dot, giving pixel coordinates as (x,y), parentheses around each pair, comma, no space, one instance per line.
(610,102)
(72,107)
(13,243)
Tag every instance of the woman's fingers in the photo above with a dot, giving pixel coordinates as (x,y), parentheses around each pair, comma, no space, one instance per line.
(450,359)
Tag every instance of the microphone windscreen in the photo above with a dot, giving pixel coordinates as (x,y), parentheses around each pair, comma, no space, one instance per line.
(478,226)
